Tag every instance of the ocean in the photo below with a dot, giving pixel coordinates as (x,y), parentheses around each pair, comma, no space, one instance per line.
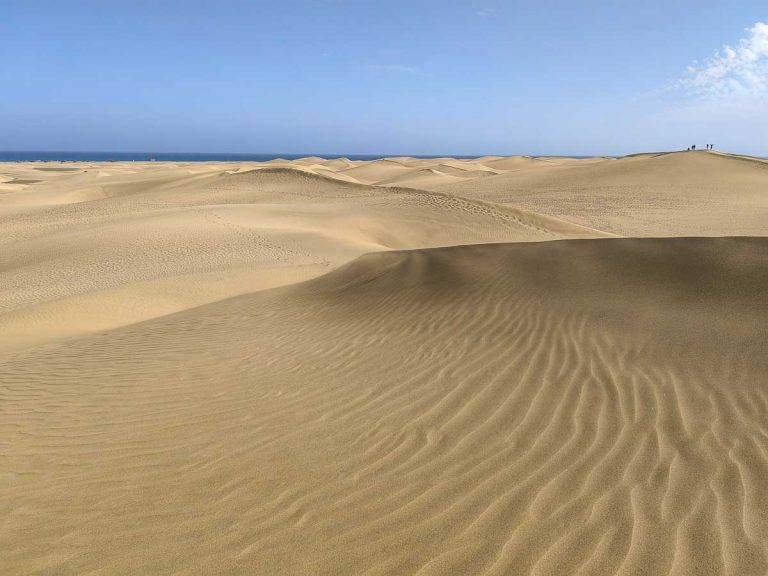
(49,156)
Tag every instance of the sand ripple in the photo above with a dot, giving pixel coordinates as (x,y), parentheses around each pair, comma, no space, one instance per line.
(570,407)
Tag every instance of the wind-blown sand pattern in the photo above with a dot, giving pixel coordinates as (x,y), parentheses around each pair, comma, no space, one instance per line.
(312,368)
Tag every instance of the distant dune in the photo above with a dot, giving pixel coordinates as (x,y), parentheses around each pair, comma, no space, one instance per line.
(404,366)
(678,194)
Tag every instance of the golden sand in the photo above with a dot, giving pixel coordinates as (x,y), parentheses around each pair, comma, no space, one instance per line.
(403,366)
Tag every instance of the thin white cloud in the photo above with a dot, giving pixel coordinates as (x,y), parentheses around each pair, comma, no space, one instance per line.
(732,71)
(393,68)
(486,12)
(722,99)
(396,69)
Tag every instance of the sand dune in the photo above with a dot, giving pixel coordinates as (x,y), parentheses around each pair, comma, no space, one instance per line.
(423,174)
(420,178)
(511,163)
(464,171)
(322,367)
(79,257)
(376,171)
(679,194)
(575,407)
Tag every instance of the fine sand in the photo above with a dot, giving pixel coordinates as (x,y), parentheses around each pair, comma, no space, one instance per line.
(545,366)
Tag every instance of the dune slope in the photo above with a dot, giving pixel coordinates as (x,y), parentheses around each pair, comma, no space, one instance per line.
(673,194)
(95,252)
(569,407)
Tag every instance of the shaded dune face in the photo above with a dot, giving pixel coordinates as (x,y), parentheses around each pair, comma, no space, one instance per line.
(569,407)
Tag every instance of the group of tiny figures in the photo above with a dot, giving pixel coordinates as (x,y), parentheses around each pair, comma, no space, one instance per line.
(709,147)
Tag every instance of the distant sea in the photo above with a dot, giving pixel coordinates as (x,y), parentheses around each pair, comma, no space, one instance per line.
(33,156)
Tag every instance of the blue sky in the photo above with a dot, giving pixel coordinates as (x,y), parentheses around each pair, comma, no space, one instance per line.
(339,76)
